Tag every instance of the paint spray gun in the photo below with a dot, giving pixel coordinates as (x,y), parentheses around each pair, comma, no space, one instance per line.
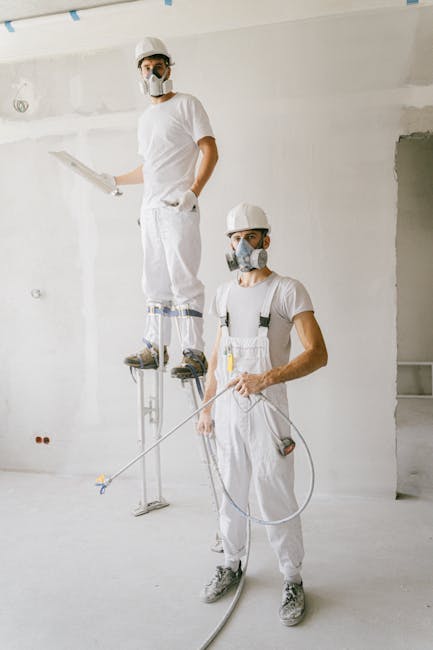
(285,445)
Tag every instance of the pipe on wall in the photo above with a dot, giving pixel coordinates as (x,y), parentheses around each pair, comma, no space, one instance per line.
(75,15)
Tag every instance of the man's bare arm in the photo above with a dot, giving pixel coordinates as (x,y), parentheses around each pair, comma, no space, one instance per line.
(205,424)
(314,357)
(209,158)
(131,178)
(211,383)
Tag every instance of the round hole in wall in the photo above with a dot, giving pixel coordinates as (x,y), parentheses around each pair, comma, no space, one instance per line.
(46,440)
(38,439)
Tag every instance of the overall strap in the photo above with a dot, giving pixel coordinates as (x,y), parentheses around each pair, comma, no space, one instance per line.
(222,308)
(265,312)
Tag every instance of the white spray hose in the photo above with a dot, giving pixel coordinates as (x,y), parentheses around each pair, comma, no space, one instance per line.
(264,522)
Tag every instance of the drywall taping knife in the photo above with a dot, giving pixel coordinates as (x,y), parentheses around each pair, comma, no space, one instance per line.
(102,181)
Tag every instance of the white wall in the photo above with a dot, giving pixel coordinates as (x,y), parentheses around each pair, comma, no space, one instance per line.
(307,115)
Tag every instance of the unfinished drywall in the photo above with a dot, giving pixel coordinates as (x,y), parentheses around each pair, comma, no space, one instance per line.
(306,115)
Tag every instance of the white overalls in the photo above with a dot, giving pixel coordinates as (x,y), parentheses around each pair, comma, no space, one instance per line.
(246,448)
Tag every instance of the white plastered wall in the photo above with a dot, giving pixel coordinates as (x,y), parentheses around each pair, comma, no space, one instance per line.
(306,114)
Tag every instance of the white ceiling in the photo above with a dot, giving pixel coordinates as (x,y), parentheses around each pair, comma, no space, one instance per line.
(106,24)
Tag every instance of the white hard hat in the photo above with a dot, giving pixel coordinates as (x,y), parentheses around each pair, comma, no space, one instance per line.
(151,46)
(246,217)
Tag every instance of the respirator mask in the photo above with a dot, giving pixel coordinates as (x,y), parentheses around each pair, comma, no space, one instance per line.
(155,85)
(246,258)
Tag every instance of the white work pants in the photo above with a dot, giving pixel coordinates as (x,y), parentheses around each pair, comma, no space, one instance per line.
(172,250)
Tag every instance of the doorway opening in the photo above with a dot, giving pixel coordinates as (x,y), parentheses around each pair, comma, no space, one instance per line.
(414,416)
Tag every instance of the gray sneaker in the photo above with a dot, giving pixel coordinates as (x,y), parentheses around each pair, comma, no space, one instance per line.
(146,358)
(223,580)
(292,608)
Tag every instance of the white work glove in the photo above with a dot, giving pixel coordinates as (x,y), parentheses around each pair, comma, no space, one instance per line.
(187,202)
(110,183)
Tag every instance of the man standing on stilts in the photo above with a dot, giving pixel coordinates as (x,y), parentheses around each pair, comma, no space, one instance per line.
(172,132)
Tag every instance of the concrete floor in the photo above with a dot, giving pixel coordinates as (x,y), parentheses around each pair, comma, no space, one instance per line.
(80,573)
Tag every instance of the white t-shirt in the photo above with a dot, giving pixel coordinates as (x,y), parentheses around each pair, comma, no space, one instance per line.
(244,305)
(168,133)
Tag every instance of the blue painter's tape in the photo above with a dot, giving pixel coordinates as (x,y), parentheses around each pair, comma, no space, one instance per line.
(412,2)
(9,26)
(74,15)
(168,3)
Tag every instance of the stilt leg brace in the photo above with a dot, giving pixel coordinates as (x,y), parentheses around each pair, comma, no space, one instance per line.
(158,309)
(184,311)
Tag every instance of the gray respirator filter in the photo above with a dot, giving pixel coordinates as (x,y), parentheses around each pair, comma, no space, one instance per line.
(155,86)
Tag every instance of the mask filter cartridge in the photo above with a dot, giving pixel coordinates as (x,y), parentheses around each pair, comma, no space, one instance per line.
(154,85)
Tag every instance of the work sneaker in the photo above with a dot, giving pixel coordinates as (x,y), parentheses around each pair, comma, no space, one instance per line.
(193,365)
(223,580)
(292,608)
(147,358)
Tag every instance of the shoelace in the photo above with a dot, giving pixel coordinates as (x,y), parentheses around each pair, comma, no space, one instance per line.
(153,351)
(291,593)
(194,357)
(217,577)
